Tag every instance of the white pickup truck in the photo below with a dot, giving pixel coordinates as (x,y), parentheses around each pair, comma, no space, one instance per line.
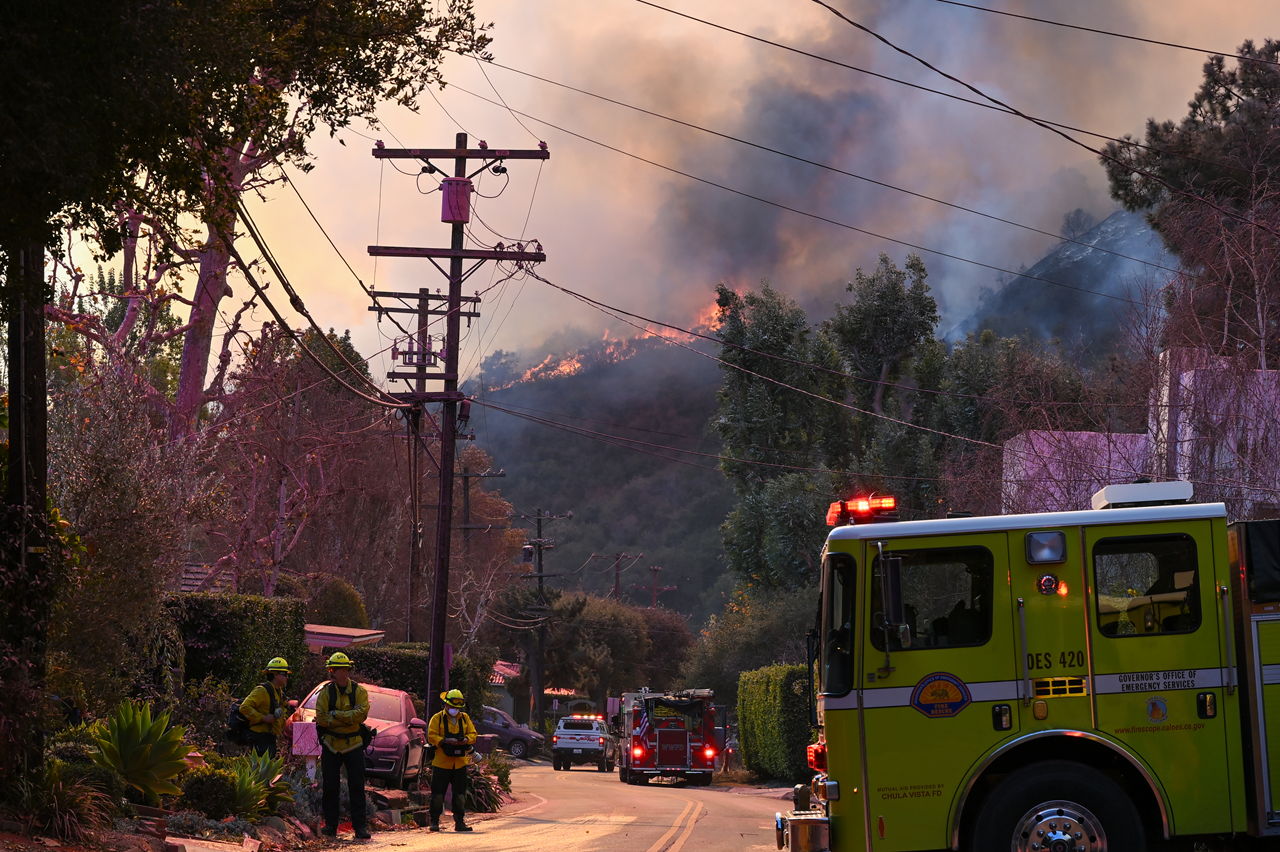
(583,739)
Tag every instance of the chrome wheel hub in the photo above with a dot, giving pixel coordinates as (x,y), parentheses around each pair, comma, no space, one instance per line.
(1059,827)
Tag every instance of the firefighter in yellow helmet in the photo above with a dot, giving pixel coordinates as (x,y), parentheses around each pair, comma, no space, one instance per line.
(454,737)
(265,708)
(341,708)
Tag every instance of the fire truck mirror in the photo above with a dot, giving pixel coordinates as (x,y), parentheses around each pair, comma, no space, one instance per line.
(904,635)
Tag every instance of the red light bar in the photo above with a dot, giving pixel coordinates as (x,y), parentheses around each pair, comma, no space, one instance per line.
(842,511)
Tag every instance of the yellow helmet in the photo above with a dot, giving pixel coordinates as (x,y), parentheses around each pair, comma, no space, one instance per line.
(278,664)
(453,698)
(339,660)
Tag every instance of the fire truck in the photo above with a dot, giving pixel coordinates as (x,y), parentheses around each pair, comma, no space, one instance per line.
(1072,682)
(670,735)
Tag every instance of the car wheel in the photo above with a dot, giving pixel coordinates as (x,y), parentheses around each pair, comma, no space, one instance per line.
(624,776)
(1058,804)
(611,765)
(518,748)
(602,765)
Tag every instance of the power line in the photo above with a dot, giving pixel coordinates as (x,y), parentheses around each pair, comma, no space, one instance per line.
(887,78)
(821,165)
(1109,33)
(1244,220)
(798,211)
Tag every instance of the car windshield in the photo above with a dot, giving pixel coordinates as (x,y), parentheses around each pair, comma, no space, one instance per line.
(384,706)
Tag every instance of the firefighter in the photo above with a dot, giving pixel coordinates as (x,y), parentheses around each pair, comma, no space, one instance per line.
(341,708)
(453,736)
(265,708)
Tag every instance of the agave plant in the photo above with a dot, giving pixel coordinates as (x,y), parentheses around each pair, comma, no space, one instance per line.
(269,770)
(251,791)
(146,752)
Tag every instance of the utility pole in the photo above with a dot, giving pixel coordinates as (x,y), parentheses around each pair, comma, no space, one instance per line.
(419,353)
(537,671)
(466,476)
(654,588)
(617,575)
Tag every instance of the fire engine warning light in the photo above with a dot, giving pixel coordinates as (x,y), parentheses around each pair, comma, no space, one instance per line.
(842,511)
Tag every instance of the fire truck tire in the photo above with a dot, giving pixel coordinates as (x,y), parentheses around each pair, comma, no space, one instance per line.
(1056,800)
(624,776)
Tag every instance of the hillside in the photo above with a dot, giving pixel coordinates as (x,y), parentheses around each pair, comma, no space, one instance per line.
(623,500)
(1037,309)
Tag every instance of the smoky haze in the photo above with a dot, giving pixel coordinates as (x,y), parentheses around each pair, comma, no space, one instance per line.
(657,243)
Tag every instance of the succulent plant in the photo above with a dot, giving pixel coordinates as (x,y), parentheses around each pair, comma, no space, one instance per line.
(145,751)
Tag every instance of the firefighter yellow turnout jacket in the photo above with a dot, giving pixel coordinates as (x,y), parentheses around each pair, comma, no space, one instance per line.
(442,726)
(257,706)
(343,719)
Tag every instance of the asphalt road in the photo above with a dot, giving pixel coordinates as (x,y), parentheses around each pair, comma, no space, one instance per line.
(584,810)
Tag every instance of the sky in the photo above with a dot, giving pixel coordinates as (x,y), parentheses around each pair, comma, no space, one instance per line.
(654,242)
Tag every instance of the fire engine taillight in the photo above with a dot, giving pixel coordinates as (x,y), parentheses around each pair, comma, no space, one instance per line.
(709,752)
(817,753)
(638,751)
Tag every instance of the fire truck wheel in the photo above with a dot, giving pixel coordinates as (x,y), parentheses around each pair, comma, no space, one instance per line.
(1058,806)
(624,776)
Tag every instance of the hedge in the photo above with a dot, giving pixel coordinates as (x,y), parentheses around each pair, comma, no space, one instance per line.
(404,666)
(231,637)
(773,722)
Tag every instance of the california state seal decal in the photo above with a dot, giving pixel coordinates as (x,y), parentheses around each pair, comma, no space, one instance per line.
(940,695)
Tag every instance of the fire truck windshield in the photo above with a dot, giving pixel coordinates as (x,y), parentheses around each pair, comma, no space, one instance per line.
(946,595)
(839,583)
(684,715)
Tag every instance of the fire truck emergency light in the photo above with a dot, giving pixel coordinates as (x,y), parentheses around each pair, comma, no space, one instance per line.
(842,511)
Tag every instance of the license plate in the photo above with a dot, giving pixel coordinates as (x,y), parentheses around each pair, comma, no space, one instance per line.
(577,751)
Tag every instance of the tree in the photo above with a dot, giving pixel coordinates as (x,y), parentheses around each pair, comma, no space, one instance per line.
(1213,196)
(1077,223)
(884,325)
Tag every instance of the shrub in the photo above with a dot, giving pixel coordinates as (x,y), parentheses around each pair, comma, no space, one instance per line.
(404,666)
(203,711)
(146,752)
(250,790)
(336,602)
(210,791)
(58,803)
(192,824)
(773,721)
(484,795)
(231,637)
(499,766)
(268,771)
(305,802)
(106,781)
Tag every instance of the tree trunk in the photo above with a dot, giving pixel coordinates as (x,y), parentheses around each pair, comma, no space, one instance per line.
(211,288)
(26,580)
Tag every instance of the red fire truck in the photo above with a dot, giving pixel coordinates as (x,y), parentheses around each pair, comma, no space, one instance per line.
(670,735)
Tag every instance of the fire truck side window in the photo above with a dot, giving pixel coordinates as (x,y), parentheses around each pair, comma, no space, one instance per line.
(946,593)
(837,624)
(1147,585)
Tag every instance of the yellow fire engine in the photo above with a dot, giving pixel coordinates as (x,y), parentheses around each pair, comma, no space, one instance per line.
(1071,682)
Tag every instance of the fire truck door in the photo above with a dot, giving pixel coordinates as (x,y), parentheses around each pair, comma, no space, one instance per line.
(1048,605)
(928,712)
(1157,646)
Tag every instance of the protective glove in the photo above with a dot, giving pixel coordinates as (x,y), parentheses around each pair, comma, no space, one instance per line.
(280,714)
